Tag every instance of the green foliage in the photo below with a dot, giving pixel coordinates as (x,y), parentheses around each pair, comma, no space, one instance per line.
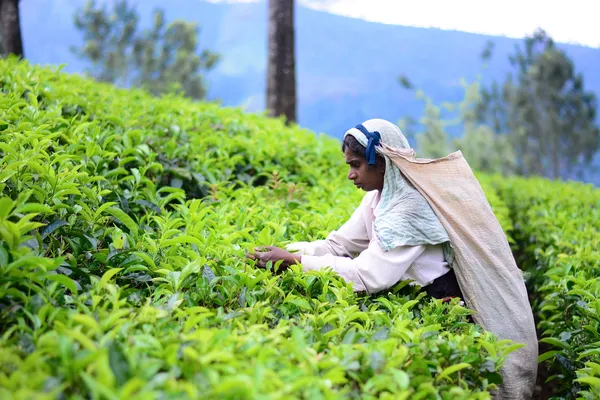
(124,221)
(482,147)
(433,142)
(485,150)
(544,110)
(558,228)
(161,60)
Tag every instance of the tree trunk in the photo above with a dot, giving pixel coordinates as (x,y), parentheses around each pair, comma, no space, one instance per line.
(281,72)
(11,29)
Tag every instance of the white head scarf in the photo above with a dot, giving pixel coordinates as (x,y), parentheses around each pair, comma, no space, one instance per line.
(402,217)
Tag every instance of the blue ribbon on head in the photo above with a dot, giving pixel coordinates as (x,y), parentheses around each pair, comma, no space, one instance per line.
(374,140)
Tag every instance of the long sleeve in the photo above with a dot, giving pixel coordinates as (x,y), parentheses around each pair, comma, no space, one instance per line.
(373,270)
(349,240)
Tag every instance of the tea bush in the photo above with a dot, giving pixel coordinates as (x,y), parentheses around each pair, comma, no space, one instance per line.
(557,226)
(124,221)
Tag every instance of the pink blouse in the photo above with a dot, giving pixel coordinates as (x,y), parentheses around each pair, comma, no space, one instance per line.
(354,253)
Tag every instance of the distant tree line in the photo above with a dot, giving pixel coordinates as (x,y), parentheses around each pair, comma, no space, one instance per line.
(544,109)
(162,59)
(539,121)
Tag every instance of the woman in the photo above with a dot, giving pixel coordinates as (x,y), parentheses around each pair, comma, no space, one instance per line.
(393,235)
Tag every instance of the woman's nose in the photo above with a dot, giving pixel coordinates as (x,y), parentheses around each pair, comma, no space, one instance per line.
(351,175)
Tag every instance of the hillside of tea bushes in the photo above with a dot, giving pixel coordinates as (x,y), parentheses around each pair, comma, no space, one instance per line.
(557,228)
(124,221)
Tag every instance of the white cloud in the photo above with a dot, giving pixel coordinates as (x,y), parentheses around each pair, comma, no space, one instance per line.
(572,21)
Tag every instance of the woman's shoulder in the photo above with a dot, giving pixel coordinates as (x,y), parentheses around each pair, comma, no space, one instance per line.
(370,199)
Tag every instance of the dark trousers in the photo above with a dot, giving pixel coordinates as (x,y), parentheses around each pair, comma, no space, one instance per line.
(444,286)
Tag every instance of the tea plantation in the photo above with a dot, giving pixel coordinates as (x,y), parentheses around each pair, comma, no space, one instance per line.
(124,221)
(557,227)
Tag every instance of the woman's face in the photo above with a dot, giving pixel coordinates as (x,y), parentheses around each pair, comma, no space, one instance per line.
(364,177)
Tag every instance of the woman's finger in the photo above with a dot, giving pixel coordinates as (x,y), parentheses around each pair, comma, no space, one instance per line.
(261,263)
(262,248)
(260,255)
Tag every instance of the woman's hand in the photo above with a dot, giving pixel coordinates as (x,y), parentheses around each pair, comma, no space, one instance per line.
(273,254)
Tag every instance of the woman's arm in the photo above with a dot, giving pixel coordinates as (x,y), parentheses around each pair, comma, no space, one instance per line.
(372,271)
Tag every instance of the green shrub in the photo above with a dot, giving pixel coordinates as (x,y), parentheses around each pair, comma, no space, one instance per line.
(124,221)
(557,226)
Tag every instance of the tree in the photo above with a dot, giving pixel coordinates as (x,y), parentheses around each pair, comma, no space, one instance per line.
(545,111)
(160,60)
(281,72)
(485,150)
(12,43)
(433,142)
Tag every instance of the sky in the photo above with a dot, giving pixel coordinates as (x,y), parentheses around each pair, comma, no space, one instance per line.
(572,21)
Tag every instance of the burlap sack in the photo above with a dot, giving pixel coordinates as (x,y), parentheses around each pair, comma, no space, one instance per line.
(485,268)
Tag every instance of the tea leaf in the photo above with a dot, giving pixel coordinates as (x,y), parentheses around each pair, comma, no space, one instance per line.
(590,380)
(59,223)
(108,275)
(547,355)
(124,219)
(451,369)
(118,363)
(34,208)
(264,236)
(98,389)
(88,321)
(555,342)
(63,280)
(6,206)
